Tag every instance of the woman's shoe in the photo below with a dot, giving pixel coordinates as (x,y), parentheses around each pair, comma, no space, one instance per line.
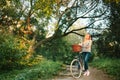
(88,73)
(85,73)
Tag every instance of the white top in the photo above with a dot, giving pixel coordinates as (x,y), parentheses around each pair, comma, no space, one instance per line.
(86,46)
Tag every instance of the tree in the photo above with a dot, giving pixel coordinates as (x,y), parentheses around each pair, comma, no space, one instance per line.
(36,13)
(21,16)
(110,40)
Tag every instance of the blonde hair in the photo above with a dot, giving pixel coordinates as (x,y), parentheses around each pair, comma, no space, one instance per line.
(87,37)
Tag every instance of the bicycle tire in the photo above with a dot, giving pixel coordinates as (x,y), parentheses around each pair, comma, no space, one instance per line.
(75,68)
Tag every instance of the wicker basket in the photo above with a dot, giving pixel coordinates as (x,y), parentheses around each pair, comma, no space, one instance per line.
(76,48)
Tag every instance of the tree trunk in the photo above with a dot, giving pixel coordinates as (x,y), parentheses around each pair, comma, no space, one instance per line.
(31,49)
(30,52)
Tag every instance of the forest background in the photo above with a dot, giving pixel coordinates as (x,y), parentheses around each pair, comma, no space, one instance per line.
(36,36)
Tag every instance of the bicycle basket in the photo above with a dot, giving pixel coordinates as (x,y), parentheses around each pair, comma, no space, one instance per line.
(76,48)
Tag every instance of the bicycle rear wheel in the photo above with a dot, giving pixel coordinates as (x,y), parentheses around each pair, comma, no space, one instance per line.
(75,68)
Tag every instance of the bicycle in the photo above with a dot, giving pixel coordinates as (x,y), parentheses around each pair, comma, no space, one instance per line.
(76,66)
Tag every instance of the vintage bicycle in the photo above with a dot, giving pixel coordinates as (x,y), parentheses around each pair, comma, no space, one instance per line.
(76,66)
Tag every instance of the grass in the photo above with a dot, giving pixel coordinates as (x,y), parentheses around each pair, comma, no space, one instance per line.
(110,65)
(42,71)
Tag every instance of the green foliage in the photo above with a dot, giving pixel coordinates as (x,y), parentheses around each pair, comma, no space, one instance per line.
(110,66)
(10,53)
(9,12)
(57,50)
(43,70)
(45,7)
(109,43)
(2,3)
(110,1)
(48,68)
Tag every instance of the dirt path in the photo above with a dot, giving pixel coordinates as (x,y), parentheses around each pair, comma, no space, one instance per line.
(95,74)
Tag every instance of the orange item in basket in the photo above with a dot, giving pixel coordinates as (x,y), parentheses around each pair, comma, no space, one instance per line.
(76,48)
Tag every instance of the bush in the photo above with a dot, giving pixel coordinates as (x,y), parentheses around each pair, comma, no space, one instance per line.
(10,53)
(44,70)
(111,66)
(57,50)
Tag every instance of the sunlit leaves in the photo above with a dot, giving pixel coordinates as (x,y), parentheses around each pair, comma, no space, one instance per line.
(44,6)
(117,1)
(2,3)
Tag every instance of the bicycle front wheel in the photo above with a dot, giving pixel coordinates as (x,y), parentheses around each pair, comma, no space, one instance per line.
(75,68)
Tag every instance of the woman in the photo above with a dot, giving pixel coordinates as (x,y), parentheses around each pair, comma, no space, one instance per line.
(86,52)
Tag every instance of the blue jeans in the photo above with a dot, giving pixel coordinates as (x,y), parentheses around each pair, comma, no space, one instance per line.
(86,56)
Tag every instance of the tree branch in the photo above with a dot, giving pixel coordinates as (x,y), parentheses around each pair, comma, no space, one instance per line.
(88,26)
(91,8)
